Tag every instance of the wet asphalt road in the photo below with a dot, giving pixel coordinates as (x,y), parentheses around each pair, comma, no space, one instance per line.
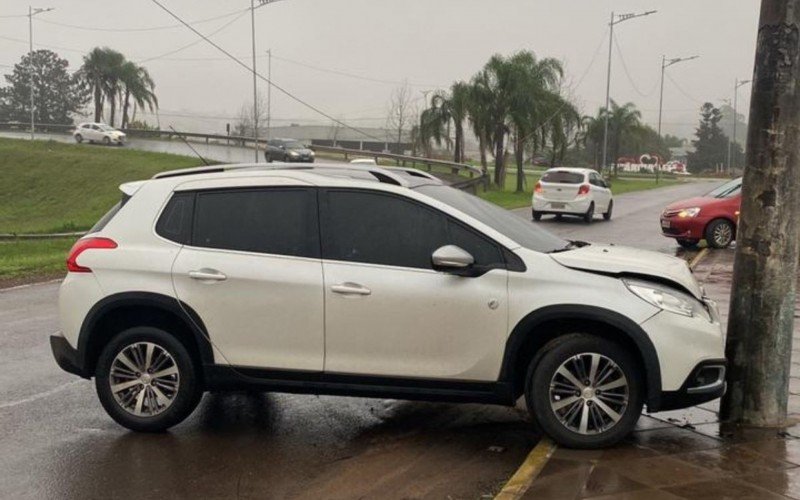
(57,442)
(216,152)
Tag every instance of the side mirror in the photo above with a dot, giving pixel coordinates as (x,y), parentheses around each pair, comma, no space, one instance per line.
(452,259)
(282,146)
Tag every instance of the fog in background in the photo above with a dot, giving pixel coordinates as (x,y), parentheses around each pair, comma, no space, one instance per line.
(346,56)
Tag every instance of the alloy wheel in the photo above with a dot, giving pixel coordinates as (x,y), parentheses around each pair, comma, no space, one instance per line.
(144,379)
(589,393)
(723,234)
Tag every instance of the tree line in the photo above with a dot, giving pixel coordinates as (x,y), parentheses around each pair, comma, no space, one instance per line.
(106,79)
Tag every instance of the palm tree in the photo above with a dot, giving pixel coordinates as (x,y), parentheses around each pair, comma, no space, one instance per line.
(593,129)
(101,72)
(622,121)
(565,129)
(136,83)
(478,104)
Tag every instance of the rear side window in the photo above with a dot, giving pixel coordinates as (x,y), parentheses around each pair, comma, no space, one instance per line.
(105,219)
(376,228)
(175,223)
(273,221)
(562,177)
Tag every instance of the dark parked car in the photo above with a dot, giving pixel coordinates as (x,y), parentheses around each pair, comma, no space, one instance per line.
(288,150)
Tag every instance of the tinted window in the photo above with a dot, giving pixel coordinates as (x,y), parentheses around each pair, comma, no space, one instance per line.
(384,229)
(727,190)
(275,221)
(175,222)
(562,177)
(512,226)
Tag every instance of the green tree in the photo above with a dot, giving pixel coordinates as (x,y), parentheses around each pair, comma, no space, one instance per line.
(100,74)
(711,144)
(136,84)
(623,121)
(57,94)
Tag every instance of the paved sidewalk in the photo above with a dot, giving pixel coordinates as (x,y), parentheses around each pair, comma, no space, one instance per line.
(687,453)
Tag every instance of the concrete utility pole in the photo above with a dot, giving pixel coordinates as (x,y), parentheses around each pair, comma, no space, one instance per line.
(759,342)
(32,12)
(614,21)
(665,63)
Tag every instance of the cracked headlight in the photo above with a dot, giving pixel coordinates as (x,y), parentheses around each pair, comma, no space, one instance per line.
(668,299)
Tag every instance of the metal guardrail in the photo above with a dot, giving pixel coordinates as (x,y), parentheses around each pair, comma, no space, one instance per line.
(453,169)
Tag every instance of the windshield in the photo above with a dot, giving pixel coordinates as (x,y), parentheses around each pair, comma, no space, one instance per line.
(294,145)
(501,220)
(103,126)
(727,190)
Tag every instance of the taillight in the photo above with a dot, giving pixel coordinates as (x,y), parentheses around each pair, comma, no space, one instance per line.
(81,246)
(584,189)
(537,188)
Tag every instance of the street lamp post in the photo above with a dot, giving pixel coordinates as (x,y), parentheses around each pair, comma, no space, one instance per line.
(32,12)
(732,142)
(253,8)
(269,91)
(665,63)
(614,20)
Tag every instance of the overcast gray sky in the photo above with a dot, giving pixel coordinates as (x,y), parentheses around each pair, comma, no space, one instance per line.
(429,43)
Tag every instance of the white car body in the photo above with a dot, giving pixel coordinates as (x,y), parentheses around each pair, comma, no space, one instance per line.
(586,189)
(361,321)
(98,132)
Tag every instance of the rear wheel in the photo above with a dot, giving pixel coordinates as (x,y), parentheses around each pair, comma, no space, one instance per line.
(607,215)
(584,391)
(589,215)
(688,243)
(719,233)
(146,380)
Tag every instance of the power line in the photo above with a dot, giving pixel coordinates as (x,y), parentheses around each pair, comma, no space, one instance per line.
(680,89)
(628,74)
(194,42)
(245,66)
(151,28)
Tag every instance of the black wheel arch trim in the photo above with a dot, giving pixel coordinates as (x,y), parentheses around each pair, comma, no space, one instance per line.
(647,351)
(143,299)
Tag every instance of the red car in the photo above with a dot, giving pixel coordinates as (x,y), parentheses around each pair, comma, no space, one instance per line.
(712,217)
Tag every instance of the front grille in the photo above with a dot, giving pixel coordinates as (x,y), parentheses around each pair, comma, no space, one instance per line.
(670,230)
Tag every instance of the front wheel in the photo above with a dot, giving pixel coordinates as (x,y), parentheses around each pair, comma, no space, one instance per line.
(584,391)
(719,233)
(537,216)
(267,157)
(106,141)
(607,215)
(146,380)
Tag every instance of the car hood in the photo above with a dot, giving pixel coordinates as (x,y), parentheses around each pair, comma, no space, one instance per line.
(699,201)
(631,262)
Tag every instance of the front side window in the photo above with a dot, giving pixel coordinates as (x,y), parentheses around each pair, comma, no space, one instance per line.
(727,190)
(281,221)
(377,228)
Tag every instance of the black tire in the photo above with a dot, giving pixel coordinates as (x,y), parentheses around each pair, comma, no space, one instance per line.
(607,215)
(720,233)
(285,158)
(537,216)
(106,141)
(588,217)
(267,157)
(558,216)
(688,243)
(541,381)
(78,138)
(185,398)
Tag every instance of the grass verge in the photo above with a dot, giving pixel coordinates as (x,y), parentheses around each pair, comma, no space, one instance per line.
(33,259)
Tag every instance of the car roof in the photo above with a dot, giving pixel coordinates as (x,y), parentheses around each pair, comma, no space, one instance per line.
(315,174)
(572,170)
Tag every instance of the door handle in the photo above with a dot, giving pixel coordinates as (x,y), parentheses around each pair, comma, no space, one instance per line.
(350,289)
(207,274)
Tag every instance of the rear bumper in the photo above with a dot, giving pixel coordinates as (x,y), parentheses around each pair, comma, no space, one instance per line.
(705,383)
(67,358)
(575,206)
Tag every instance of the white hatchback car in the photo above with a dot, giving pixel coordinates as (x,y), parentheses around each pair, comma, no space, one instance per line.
(98,132)
(572,191)
(374,282)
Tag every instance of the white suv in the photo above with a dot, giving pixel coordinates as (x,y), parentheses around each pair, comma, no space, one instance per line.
(374,282)
(572,191)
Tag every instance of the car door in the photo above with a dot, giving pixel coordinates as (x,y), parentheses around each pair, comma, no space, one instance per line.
(387,312)
(602,194)
(97,134)
(252,273)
